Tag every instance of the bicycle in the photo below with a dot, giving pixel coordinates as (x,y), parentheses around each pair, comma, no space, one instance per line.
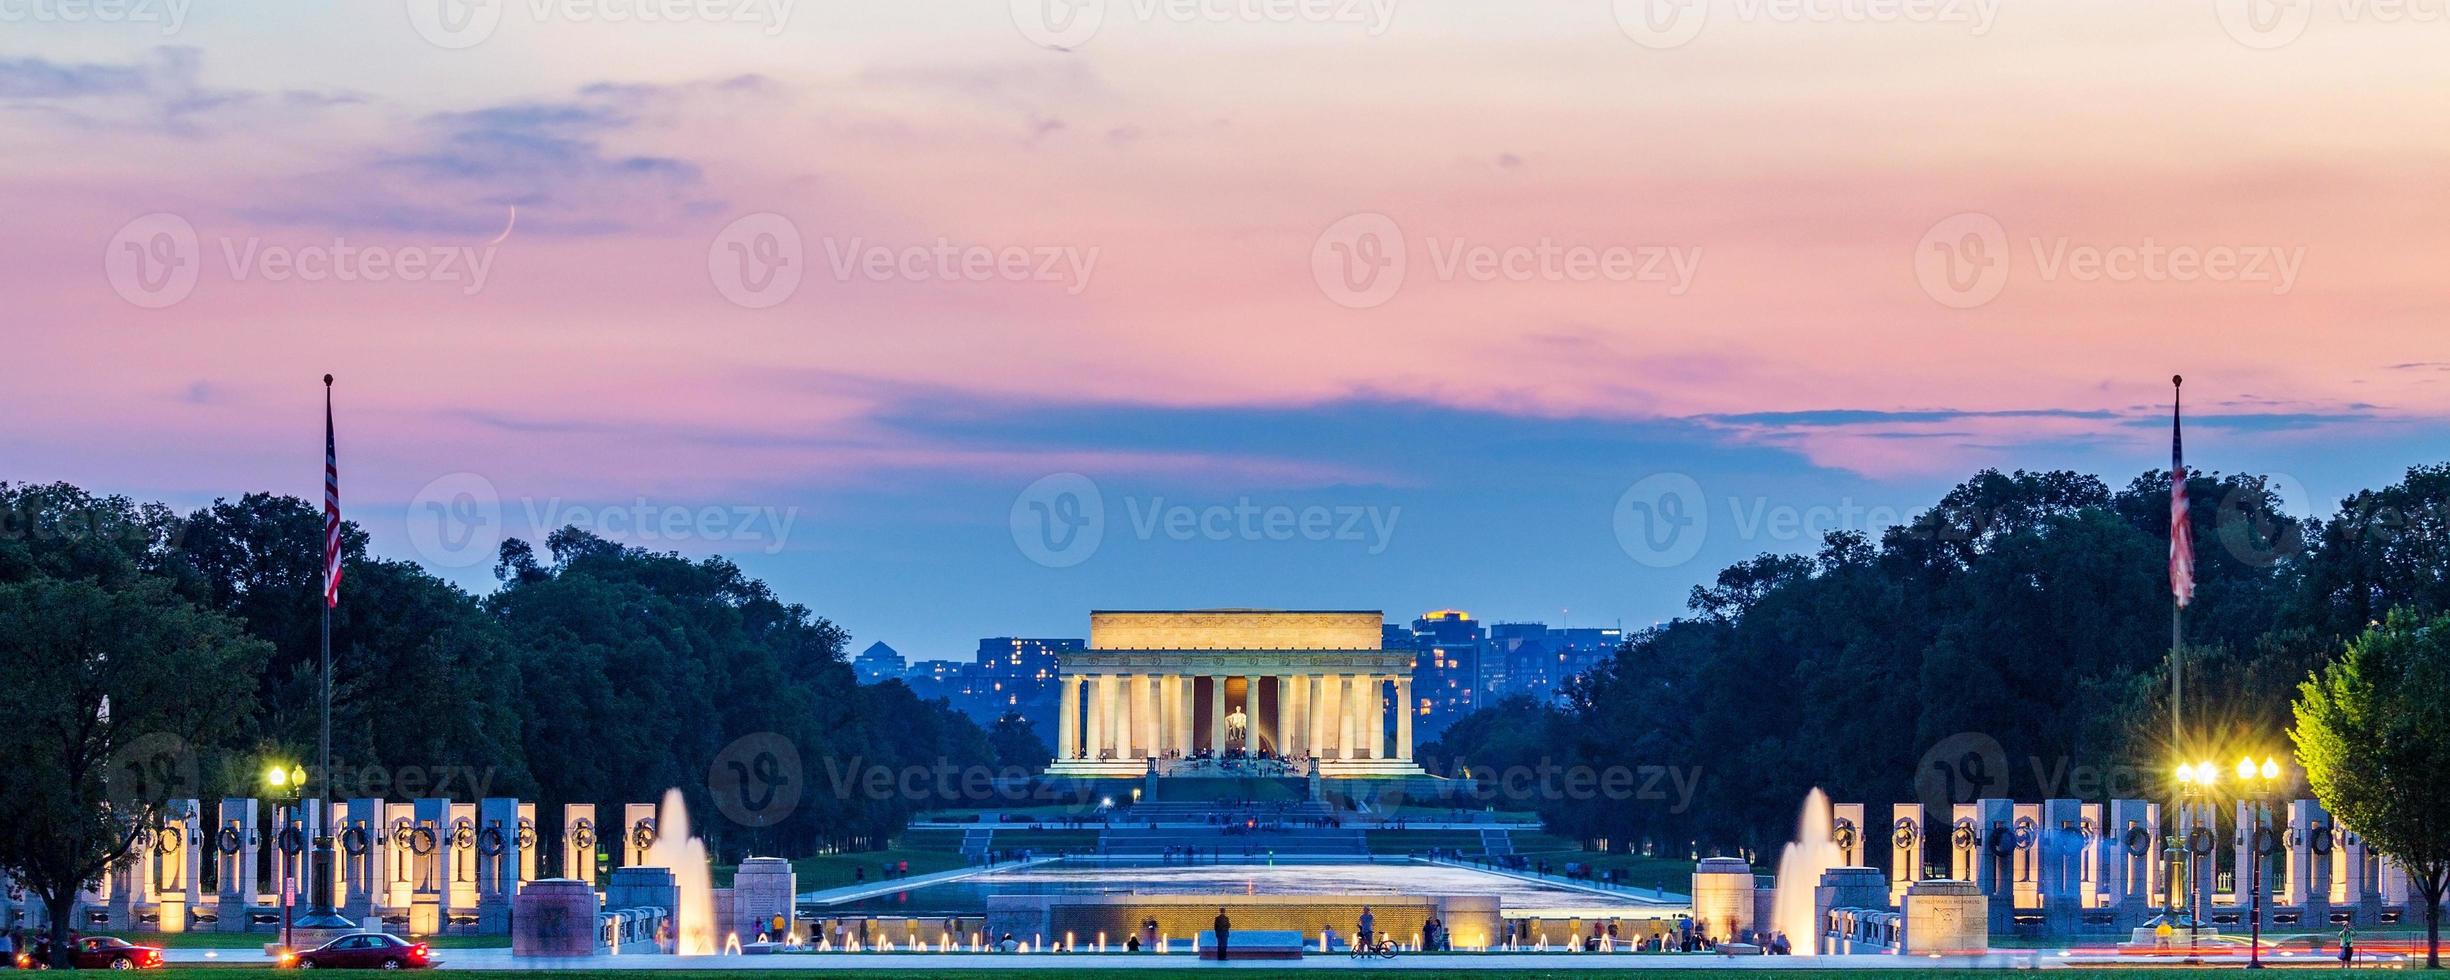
(1383,949)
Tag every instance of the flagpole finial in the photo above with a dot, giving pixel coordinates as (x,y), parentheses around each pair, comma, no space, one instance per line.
(2175,380)
(327,381)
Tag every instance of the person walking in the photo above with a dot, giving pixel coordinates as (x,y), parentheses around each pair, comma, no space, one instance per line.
(1224,933)
(1366,935)
(2347,946)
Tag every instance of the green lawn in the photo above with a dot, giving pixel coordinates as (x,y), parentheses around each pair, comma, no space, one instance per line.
(1673,874)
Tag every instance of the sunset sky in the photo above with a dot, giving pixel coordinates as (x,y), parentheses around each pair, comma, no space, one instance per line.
(1460,277)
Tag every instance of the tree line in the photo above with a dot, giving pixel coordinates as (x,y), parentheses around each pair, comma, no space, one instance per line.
(148,654)
(2027,609)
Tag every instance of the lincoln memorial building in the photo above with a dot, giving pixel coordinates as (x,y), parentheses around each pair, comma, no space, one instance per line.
(1231,692)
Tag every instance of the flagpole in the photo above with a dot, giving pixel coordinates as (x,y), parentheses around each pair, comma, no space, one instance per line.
(2177,609)
(320,914)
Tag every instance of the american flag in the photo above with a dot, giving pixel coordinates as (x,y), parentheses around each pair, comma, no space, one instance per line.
(331,504)
(2181,529)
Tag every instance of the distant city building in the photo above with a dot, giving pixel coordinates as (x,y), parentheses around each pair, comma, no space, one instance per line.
(1447,673)
(879,663)
(1015,671)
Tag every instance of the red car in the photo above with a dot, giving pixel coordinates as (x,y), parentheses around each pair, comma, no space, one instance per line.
(369,950)
(96,953)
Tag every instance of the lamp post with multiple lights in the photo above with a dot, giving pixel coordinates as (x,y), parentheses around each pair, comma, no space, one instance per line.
(2255,783)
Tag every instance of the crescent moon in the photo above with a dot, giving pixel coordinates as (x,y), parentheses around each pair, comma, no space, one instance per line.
(514,223)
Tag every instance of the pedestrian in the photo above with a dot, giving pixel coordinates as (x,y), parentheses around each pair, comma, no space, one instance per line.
(1367,933)
(2347,946)
(1224,933)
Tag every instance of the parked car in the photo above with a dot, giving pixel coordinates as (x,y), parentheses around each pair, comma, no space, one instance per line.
(365,950)
(96,953)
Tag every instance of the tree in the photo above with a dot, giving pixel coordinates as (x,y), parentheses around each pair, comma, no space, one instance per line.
(2373,732)
(1016,743)
(106,691)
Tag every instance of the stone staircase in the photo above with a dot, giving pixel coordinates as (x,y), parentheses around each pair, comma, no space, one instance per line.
(1497,843)
(1208,829)
(976,842)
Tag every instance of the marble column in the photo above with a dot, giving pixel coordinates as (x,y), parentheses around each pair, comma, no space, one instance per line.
(1216,714)
(1067,723)
(1333,735)
(1404,710)
(1186,703)
(1373,716)
(1165,713)
(1094,719)
(1285,716)
(1311,698)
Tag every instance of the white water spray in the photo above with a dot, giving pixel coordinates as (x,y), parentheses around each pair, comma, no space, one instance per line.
(1800,867)
(685,857)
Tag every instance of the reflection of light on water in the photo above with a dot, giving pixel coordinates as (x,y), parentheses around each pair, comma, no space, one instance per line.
(1518,896)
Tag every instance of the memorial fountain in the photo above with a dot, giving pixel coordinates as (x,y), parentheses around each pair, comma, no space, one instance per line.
(1800,867)
(692,874)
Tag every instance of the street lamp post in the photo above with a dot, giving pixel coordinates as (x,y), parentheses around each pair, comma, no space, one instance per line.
(2194,782)
(289,787)
(2258,780)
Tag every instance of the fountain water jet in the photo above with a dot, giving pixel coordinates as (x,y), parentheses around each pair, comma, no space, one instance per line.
(1800,867)
(685,857)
